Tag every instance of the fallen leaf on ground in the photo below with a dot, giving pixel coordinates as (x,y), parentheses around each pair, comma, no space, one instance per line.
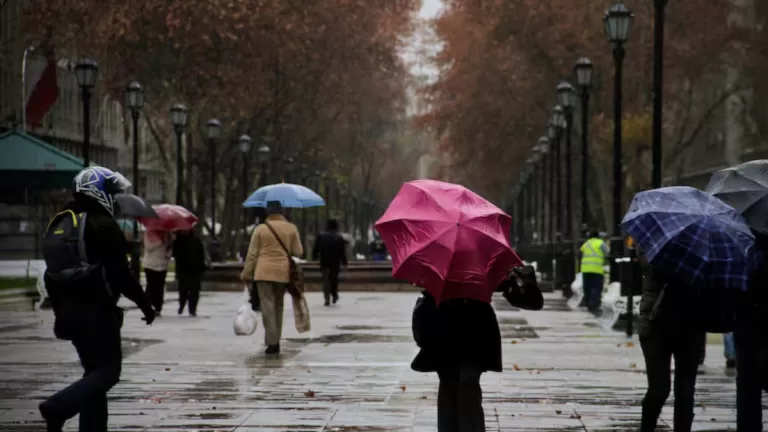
(558,412)
(630,344)
(309,394)
(516,367)
(633,365)
(403,388)
(514,342)
(167,369)
(576,416)
(423,398)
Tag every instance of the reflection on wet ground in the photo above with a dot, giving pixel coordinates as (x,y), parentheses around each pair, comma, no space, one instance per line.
(351,373)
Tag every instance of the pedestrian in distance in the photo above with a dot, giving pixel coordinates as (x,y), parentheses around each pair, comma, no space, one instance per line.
(668,328)
(594,253)
(191,262)
(158,250)
(272,245)
(87,271)
(331,249)
(460,340)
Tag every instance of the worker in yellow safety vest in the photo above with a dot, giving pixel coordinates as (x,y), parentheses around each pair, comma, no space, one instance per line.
(594,253)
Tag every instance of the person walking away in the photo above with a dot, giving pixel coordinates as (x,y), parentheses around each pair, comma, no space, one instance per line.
(273,244)
(593,255)
(190,256)
(158,249)
(460,340)
(729,350)
(87,271)
(331,249)
(378,249)
(668,328)
(752,346)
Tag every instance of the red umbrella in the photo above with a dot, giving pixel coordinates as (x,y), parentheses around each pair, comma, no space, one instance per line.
(448,240)
(170,218)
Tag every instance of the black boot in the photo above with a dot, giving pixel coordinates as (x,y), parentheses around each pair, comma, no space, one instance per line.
(272,349)
(52,424)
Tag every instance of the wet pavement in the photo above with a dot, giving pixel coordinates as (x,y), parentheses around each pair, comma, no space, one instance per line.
(350,374)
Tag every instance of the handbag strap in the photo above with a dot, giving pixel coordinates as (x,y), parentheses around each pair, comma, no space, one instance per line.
(278,239)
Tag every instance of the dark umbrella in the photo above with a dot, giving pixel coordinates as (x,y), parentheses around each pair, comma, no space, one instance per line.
(132,206)
(745,188)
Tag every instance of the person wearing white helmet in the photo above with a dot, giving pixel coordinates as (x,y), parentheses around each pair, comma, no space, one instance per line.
(87,271)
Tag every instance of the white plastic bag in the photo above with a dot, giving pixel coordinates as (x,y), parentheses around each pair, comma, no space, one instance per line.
(245,321)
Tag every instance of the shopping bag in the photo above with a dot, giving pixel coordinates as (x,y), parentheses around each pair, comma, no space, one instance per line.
(245,321)
(301,313)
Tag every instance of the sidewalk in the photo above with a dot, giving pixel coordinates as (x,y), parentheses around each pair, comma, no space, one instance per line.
(561,372)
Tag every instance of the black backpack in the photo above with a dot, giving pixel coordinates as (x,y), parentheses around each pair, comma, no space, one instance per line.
(64,251)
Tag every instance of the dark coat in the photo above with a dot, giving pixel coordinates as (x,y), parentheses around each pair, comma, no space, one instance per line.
(463,333)
(331,249)
(189,254)
(675,312)
(90,303)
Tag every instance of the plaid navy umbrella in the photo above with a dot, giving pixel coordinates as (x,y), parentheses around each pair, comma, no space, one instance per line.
(693,235)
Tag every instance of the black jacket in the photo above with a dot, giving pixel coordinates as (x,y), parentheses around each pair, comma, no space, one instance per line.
(674,311)
(461,333)
(189,254)
(89,303)
(331,249)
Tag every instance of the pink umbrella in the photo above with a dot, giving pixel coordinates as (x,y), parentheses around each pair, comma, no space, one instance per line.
(170,218)
(448,240)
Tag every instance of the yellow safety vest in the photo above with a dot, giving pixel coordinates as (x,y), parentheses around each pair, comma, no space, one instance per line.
(592,256)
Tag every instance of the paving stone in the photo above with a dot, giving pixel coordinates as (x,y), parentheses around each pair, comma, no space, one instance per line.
(351,373)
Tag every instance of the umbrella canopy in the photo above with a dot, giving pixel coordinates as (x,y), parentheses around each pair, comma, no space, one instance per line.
(130,206)
(170,218)
(447,240)
(289,195)
(694,236)
(745,188)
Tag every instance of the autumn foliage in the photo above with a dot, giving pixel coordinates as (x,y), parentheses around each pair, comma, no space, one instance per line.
(320,81)
(501,61)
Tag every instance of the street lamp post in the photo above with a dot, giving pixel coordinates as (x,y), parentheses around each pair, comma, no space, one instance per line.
(618,22)
(264,153)
(566,96)
(213,129)
(542,148)
(86,71)
(179,118)
(134,101)
(304,213)
(557,120)
(658,89)
(244,144)
(553,208)
(584,71)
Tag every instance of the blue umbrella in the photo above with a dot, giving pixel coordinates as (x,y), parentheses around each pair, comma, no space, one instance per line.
(289,195)
(694,236)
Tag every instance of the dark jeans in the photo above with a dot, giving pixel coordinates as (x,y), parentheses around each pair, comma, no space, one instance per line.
(101,357)
(659,347)
(460,401)
(593,290)
(749,374)
(189,289)
(155,288)
(330,283)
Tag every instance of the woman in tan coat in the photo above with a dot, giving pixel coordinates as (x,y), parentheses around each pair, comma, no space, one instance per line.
(267,264)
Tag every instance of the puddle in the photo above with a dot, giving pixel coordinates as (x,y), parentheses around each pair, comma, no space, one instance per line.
(359,327)
(369,299)
(518,333)
(515,321)
(17,327)
(132,346)
(210,416)
(355,338)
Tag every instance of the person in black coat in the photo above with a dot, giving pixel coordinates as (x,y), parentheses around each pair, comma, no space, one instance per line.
(752,347)
(331,249)
(87,314)
(668,327)
(460,340)
(191,263)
